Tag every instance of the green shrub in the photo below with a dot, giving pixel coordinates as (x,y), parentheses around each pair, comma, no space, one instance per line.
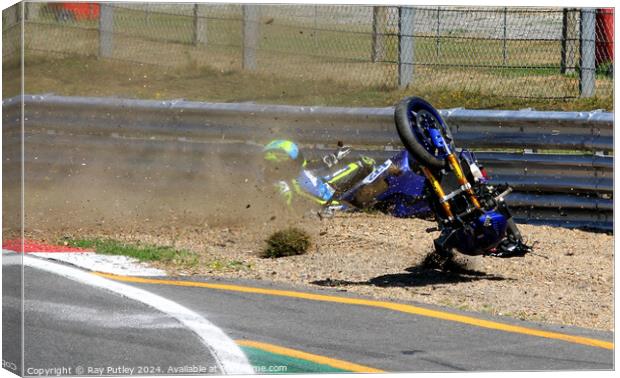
(288,242)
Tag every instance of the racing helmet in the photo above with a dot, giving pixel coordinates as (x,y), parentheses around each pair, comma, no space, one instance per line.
(282,160)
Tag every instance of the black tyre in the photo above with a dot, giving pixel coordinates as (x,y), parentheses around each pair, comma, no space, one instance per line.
(414,117)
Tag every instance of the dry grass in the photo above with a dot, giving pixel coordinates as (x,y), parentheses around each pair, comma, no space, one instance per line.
(332,66)
(83,76)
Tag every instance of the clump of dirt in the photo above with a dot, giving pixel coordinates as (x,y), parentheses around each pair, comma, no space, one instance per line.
(450,263)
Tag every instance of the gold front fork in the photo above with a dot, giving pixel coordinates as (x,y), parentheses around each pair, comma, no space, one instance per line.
(439,191)
(460,177)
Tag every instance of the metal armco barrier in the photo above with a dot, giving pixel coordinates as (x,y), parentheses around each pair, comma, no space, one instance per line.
(574,190)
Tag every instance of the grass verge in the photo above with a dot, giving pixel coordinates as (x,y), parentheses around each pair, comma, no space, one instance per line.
(141,252)
(81,76)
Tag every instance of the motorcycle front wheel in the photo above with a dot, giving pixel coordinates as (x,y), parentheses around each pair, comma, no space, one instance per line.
(414,118)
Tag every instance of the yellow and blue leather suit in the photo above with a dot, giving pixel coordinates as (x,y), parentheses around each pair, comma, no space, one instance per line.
(312,180)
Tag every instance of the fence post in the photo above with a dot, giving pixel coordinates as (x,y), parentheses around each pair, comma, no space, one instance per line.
(250,35)
(316,27)
(437,34)
(406,46)
(106,30)
(147,14)
(33,10)
(587,67)
(504,46)
(199,32)
(570,36)
(379,23)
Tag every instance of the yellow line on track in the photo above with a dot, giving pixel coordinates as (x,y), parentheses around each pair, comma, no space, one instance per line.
(338,364)
(405,308)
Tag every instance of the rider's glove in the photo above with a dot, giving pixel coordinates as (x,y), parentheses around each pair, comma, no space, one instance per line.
(332,159)
(285,190)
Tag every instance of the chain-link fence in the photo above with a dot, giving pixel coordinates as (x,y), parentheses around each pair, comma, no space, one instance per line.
(512,52)
(11,34)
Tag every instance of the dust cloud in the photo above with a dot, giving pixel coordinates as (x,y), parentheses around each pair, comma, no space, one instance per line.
(161,187)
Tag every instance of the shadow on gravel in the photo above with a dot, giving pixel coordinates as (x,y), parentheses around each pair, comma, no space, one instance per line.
(420,275)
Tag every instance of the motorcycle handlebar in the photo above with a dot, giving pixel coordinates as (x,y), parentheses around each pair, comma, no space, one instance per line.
(503,194)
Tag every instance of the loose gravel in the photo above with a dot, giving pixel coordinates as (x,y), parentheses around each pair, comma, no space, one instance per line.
(568,279)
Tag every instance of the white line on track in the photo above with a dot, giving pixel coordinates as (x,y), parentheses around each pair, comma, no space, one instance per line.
(227,354)
(115,264)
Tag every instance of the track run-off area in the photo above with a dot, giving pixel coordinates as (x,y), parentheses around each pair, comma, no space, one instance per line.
(101,322)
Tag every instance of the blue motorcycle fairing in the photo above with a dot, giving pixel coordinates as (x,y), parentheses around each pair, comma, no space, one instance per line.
(493,223)
(437,139)
(404,193)
(483,233)
(405,190)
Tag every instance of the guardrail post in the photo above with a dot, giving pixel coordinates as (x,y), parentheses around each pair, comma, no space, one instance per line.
(250,35)
(406,46)
(587,67)
(199,32)
(106,31)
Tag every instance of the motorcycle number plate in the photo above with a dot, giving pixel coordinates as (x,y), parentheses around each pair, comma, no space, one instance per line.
(377,172)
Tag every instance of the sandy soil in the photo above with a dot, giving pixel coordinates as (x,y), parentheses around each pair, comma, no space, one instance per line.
(567,280)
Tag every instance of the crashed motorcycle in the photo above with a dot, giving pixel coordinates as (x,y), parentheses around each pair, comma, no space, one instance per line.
(430,179)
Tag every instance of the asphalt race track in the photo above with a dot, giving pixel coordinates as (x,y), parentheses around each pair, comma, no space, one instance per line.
(72,324)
